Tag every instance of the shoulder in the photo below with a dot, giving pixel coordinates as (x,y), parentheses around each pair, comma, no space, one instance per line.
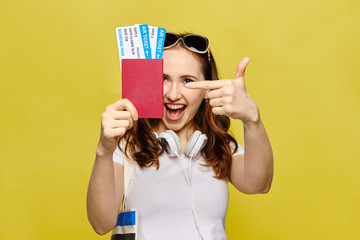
(119,155)
(240,149)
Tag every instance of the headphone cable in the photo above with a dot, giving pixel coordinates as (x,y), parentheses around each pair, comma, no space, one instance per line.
(190,190)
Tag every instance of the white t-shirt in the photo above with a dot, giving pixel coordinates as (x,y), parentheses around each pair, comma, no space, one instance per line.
(162,199)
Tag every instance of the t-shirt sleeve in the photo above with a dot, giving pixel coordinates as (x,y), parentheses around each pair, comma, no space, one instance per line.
(239,151)
(119,156)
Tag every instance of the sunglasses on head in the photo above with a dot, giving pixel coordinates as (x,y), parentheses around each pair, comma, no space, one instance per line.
(193,42)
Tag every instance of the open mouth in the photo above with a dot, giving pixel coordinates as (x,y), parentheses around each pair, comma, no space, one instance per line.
(174,111)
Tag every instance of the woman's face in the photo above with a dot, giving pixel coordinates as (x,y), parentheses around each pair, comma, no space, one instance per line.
(180,103)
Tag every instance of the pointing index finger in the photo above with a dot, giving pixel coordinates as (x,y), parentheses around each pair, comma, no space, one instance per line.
(207,84)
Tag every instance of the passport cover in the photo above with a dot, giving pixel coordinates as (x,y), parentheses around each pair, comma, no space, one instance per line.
(142,84)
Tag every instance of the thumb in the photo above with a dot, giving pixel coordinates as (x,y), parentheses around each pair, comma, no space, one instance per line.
(240,71)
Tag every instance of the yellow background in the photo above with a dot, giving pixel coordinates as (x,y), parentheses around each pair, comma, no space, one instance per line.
(59,68)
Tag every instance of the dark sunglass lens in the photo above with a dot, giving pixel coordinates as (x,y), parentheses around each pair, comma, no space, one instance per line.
(170,39)
(196,42)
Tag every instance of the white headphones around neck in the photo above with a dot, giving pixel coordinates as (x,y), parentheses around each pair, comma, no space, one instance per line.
(193,147)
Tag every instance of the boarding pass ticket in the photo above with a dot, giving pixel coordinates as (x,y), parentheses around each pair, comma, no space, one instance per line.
(140,41)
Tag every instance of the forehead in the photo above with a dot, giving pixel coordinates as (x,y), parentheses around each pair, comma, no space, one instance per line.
(179,61)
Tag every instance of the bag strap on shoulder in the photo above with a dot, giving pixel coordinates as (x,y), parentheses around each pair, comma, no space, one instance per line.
(129,167)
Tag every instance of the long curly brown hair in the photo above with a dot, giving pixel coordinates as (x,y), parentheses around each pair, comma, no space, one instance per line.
(142,145)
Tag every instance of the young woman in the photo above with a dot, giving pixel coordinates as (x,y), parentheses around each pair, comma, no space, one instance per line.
(181,195)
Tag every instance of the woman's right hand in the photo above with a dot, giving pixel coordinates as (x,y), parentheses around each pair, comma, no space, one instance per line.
(115,121)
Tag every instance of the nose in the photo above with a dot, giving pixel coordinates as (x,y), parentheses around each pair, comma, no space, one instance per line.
(172,91)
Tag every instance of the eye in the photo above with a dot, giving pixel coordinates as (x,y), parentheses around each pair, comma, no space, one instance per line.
(164,78)
(188,80)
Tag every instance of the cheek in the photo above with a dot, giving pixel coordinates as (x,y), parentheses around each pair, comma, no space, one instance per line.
(166,87)
(196,96)
(198,92)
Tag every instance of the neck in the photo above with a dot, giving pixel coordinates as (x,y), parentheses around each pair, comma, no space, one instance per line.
(184,136)
(184,133)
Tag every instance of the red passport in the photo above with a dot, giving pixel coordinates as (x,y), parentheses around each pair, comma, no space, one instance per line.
(142,84)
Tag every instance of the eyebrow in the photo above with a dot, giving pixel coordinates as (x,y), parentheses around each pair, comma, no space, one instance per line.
(182,76)
(190,76)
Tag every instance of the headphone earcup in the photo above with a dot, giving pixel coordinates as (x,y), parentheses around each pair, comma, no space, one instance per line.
(172,141)
(195,144)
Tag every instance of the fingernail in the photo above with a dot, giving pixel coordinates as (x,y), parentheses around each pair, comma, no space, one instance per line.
(188,85)
(136,117)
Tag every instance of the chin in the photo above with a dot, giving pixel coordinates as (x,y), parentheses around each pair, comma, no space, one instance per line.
(177,126)
(173,126)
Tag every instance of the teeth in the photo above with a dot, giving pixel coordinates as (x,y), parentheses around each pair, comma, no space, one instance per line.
(174,107)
